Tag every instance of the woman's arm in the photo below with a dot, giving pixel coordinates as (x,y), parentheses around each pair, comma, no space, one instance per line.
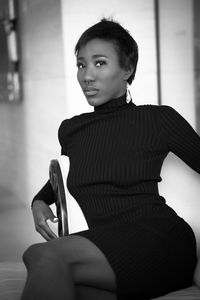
(180,137)
(45,197)
(42,212)
(46,194)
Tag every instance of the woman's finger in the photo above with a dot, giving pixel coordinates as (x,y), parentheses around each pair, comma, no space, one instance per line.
(44,234)
(45,227)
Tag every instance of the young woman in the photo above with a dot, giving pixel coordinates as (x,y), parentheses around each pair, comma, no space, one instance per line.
(136,247)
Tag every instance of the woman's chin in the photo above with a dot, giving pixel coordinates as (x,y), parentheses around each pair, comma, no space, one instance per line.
(94,101)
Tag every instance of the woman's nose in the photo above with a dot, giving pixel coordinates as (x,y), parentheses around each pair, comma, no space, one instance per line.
(89,75)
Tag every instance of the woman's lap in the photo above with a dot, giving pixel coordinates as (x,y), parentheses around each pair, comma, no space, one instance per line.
(88,264)
(149,260)
(145,259)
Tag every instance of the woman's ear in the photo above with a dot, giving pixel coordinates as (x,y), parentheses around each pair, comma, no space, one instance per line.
(127,73)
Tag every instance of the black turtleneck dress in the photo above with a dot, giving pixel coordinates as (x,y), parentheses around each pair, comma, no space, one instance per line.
(116,154)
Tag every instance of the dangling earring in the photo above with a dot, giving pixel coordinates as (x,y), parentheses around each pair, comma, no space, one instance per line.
(128,96)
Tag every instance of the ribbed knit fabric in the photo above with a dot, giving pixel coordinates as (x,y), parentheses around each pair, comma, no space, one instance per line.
(116,154)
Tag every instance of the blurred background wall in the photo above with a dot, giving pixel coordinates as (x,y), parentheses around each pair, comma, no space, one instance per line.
(48,30)
(178,66)
(28,128)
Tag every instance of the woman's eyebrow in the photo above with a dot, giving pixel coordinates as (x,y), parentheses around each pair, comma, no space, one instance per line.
(80,57)
(93,56)
(99,55)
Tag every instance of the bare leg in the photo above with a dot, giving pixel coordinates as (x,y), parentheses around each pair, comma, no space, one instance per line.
(55,267)
(48,278)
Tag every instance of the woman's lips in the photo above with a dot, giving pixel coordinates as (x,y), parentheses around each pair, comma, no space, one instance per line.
(91,92)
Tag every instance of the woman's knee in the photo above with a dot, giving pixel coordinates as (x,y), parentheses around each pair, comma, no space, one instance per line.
(56,250)
(37,253)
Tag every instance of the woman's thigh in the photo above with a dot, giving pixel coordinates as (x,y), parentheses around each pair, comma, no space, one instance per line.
(88,264)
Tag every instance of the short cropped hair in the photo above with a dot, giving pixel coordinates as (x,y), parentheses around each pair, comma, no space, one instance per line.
(126,46)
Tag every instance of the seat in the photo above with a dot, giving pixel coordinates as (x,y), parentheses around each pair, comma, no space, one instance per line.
(71,219)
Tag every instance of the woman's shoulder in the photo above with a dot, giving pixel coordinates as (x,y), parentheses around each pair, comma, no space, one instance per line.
(159,113)
(76,119)
(158,110)
(154,107)
(70,125)
(168,112)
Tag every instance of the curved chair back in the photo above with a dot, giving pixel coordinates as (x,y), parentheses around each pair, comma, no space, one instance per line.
(70,215)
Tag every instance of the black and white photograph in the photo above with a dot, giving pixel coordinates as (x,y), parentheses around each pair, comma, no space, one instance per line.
(99,150)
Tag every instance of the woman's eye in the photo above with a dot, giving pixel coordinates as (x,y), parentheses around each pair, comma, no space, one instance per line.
(100,63)
(80,65)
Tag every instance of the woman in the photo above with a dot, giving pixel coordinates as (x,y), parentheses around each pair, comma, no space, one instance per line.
(137,247)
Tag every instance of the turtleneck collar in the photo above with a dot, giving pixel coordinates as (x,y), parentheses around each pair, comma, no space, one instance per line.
(112,105)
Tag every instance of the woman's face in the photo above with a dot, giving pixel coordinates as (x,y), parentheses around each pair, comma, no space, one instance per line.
(99,73)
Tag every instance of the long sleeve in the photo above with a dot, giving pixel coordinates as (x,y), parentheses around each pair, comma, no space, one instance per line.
(181,138)
(63,137)
(46,194)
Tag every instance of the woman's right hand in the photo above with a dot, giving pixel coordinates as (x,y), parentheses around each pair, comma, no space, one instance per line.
(41,213)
